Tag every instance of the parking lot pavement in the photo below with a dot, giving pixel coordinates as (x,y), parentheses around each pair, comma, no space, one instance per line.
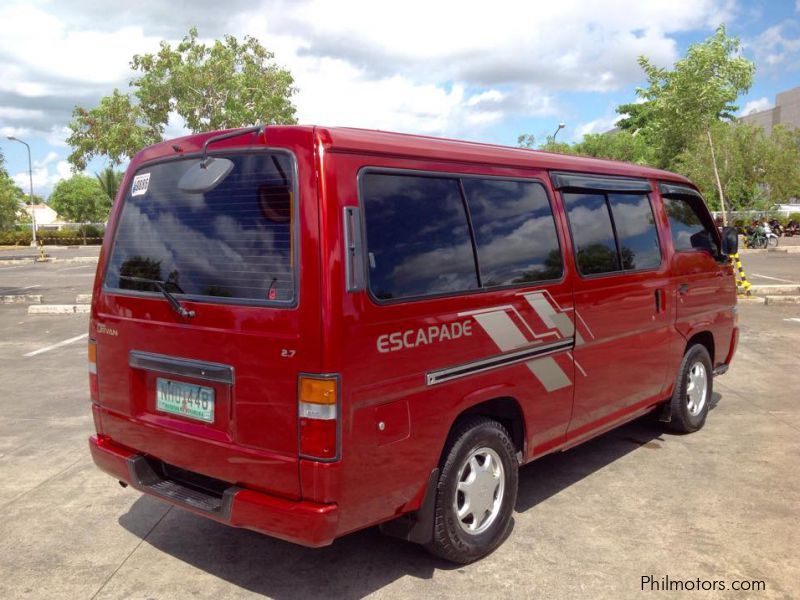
(718,505)
(772,267)
(57,282)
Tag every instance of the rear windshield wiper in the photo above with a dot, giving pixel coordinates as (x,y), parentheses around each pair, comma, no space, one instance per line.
(162,287)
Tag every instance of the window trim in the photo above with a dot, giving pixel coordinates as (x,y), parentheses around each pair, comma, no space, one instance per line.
(620,271)
(591,182)
(296,245)
(369,169)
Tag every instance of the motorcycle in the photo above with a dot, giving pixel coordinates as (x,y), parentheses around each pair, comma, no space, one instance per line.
(760,238)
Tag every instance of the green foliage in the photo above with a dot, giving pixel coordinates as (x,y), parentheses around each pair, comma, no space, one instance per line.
(755,170)
(109,181)
(619,145)
(117,128)
(80,199)
(782,165)
(526,140)
(224,85)
(10,198)
(701,90)
(67,237)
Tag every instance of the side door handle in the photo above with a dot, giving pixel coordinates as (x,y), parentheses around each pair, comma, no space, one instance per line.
(683,289)
(659,294)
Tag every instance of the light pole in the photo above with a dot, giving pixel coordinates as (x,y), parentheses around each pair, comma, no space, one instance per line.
(30,175)
(559,128)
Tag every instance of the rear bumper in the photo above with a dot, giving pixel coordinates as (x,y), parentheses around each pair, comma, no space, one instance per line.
(302,522)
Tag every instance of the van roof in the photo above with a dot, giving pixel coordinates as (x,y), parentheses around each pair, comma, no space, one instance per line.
(370,141)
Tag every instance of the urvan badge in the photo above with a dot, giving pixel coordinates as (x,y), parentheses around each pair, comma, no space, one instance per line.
(140,183)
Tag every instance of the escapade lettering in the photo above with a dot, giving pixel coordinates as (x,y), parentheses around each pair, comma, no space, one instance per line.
(412,338)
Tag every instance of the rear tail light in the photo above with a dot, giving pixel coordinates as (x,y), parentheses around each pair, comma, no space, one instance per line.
(94,392)
(318,412)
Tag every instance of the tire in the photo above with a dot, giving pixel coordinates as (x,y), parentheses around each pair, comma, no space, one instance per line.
(480,452)
(772,241)
(689,404)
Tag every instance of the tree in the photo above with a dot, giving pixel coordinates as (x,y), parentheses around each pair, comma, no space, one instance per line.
(617,145)
(224,85)
(81,200)
(10,199)
(109,181)
(740,151)
(782,165)
(701,90)
(754,169)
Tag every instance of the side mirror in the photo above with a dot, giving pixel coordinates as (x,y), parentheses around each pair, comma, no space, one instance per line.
(730,241)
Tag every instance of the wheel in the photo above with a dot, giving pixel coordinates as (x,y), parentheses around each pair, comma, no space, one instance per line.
(476,492)
(693,389)
(772,241)
(761,242)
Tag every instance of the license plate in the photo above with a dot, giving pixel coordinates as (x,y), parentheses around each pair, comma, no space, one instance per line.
(185,399)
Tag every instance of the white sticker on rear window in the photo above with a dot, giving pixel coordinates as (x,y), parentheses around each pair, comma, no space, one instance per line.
(140,183)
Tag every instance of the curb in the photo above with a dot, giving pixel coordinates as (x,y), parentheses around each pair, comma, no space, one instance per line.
(83,299)
(779,300)
(58,309)
(750,300)
(773,290)
(21,299)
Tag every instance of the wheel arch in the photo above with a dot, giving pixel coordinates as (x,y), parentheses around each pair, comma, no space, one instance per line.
(704,338)
(507,411)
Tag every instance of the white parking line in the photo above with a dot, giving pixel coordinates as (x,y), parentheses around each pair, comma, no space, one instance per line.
(773,278)
(27,287)
(58,345)
(793,319)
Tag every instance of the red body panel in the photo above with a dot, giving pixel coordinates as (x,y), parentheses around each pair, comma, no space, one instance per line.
(394,416)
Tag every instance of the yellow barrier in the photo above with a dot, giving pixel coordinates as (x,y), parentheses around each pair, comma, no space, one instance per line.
(742,285)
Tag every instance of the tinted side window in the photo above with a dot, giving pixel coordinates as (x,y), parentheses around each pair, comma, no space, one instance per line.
(515,233)
(417,235)
(636,231)
(686,225)
(592,233)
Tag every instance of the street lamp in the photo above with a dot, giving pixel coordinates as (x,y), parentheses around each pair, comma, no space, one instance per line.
(30,175)
(559,128)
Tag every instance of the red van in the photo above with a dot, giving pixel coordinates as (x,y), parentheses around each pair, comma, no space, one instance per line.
(306,331)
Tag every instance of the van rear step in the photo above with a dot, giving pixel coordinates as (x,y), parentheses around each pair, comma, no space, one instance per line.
(193,491)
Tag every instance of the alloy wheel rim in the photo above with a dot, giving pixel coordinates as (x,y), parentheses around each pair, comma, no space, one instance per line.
(696,388)
(479,491)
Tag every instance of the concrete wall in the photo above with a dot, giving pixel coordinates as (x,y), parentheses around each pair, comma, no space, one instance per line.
(786,112)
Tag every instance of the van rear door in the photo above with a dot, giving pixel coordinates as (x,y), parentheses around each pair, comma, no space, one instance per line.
(213,393)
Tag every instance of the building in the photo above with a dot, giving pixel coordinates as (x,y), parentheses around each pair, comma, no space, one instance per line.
(44,214)
(785,112)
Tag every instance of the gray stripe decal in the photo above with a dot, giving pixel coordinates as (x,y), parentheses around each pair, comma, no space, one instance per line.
(502,330)
(551,372)
(549,316)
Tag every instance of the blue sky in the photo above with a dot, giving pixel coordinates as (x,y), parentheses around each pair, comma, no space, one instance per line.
(468,69)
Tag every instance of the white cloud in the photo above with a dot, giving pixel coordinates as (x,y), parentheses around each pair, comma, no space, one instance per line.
(755,106)
(599,125)
(778,47)
(443,68)
(45,175)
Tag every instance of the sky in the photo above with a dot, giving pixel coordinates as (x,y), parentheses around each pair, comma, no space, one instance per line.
(482,71)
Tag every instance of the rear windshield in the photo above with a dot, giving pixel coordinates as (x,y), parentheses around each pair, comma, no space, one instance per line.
(234,242)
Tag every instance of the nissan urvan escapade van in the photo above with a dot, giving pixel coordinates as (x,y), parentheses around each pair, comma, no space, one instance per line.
(306,331)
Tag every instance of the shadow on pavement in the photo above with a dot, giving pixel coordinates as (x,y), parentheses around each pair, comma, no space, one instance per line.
(366,561)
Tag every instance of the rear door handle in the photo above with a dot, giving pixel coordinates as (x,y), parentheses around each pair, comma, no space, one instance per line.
(683,288)
(659,300)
